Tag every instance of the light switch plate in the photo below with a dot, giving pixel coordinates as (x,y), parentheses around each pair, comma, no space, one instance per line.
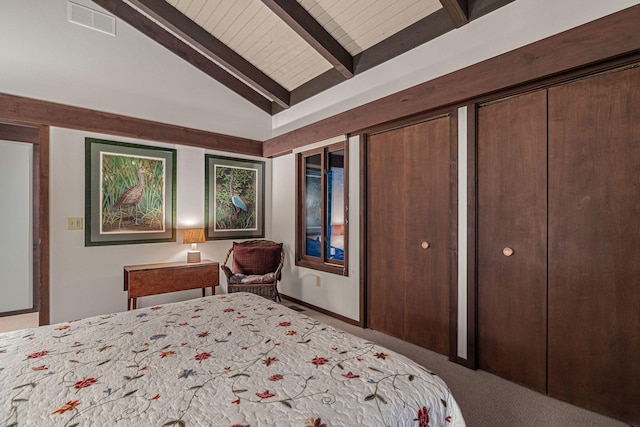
(74,223)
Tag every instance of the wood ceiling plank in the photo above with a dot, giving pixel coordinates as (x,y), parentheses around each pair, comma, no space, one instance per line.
(458,10)
(257,41)
(197,36)
(294,15)
(184,51)
(223,28)
(365,22)
(218,15)
(280,52)
(183,4)
(29,110)
(299,72)
(195,7)
(240,27)
(391,20)
(205,13)
(327,13)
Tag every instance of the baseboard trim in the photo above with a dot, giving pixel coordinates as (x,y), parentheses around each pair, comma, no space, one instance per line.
(467,363)
(322,310)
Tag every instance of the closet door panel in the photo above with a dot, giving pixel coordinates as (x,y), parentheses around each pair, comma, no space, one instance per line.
(512,215)
(594,235)
(408,184)
(427,177)
(386,266)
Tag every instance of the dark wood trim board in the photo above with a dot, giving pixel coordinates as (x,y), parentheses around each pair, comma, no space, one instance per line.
(321,310)
(38,112)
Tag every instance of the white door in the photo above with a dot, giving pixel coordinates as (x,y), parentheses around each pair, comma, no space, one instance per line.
(16,227)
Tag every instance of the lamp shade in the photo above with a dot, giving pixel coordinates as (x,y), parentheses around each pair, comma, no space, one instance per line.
(193,235)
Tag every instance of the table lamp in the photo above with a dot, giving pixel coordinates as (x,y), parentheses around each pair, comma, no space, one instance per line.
(193,236)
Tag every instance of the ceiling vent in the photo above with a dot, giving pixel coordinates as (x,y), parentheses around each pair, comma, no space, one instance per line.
(90,18)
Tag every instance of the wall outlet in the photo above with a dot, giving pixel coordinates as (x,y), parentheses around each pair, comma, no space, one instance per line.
(74,223)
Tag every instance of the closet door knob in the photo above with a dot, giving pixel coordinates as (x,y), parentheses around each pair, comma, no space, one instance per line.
(507,251)
(425,245)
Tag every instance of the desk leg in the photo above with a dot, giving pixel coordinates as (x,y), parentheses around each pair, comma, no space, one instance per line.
(135,303)
(204,291)
(128,303)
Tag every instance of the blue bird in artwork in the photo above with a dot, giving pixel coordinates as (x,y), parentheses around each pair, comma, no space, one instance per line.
(236,200)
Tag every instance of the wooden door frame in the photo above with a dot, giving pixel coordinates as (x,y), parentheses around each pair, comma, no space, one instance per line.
(38,136)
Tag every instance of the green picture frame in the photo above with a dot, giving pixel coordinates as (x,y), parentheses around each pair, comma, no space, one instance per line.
(130,193)
(234,198)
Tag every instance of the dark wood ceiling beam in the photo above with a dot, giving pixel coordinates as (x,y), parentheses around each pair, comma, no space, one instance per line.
(297,17)
(423,31)
(607,38)
(197,36)
(420,32)
(479,8)
(428,28)
(37,112)
(163,37)
(458,10)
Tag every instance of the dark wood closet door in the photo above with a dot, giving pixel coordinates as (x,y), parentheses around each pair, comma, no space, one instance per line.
(427,183)
(387,269)
(594,251)
(512,214)
(408,233)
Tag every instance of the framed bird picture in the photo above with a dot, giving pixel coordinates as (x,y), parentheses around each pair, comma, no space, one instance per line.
(234,198)
(130,193)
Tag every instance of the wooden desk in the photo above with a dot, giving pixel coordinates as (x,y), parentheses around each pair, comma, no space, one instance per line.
(152,279)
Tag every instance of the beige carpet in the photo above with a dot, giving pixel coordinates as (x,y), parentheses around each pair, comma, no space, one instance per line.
(485,399)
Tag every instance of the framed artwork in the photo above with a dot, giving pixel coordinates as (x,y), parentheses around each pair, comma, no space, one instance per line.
(130,193)
(234,198)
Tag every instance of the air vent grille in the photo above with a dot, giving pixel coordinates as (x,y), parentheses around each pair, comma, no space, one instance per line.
(90,18)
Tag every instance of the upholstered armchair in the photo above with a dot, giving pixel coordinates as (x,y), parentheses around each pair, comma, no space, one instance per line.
(256,267)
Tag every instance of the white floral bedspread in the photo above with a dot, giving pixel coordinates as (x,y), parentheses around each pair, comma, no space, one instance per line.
(227,360)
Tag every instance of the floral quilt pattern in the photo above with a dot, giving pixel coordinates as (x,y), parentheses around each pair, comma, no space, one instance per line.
(233,360)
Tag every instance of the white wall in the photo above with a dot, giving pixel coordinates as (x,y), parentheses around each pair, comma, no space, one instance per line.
(16,227)
(44,56)
(86,281)
(333,292)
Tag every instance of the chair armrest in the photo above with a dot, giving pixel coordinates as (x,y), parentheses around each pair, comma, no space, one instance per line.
(227,272)
(278,272)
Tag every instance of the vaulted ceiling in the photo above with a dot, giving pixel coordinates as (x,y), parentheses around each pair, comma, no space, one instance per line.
(277,53)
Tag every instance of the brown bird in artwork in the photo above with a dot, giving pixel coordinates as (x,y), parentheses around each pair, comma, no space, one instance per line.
(132,196)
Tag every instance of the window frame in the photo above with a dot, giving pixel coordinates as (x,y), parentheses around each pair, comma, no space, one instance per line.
(321,263)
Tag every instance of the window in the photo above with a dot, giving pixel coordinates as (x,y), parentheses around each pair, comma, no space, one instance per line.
(321,217)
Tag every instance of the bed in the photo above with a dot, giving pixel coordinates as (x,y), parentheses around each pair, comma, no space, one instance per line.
(226,360)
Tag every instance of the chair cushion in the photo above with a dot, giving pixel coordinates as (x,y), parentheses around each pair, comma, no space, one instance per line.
(256,260)
(253,279)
